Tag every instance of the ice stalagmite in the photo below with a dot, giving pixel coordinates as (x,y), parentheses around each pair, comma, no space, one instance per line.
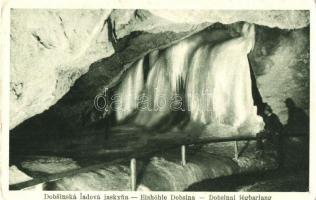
(129,90)
(219,84)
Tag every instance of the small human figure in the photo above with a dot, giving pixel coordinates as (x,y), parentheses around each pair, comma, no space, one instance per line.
(298,121)
(272,128)
(273,131)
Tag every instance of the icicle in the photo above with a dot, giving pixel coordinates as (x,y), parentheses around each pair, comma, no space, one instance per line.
(177,63)
(155,100)
(164,79)
(129,90)
(197,90)
(153,57)
(179,56)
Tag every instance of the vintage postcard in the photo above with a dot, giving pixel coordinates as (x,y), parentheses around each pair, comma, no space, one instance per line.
(157,100)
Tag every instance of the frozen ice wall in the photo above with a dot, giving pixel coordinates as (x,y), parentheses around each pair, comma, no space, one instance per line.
(211,77)
(219,83)
(129,90)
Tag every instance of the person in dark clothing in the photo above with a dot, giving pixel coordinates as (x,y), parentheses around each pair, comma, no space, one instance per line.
(298,125)
(272,129)
(298,121)
(273,126)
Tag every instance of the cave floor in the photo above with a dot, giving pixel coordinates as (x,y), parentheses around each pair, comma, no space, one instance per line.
(157,170)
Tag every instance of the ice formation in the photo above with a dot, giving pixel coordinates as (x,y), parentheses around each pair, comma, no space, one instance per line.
(215,77)
(129,90)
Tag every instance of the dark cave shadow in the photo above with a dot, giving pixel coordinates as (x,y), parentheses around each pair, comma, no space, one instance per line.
(244,148)
(142,170)
(298,120)
(235,182)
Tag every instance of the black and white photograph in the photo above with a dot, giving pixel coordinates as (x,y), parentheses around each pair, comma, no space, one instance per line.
(207,100)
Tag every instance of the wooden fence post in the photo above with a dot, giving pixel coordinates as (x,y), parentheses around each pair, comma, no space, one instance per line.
(183,158)
(236,150)
(133,174)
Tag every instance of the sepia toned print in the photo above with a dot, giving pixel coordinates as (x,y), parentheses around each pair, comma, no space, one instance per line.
(159,100)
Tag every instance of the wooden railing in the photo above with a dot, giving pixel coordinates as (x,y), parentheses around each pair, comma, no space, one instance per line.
(133,159)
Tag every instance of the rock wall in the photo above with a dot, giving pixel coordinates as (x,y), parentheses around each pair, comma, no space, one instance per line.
(281,64)
(50,49)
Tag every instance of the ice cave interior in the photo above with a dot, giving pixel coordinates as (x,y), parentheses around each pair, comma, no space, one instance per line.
(141,82)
